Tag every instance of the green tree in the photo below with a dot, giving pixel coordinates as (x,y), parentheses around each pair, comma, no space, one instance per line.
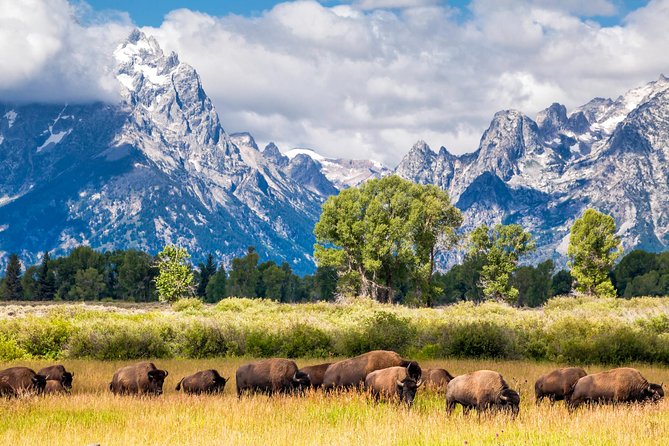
(46,282)
(205,271)
(633,264)
(88,284)
(387,229)
(533,283)
(271,281)
(462,282)
(562,283)
(175,276)
(29,282)
(502,247)
(136,276)
(593,250)
(216,288)
(244,275)
(12,288)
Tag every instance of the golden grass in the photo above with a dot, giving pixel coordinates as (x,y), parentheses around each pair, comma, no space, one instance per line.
(93,415)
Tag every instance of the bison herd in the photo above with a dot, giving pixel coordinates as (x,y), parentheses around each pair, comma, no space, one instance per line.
(382,374)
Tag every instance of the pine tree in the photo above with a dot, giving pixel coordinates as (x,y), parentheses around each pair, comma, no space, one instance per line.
(206,271)
(46,284)
(12,289)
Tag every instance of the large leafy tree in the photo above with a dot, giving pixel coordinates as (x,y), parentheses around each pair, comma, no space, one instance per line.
(175,275)
(12,288)
(383,232)
(501,247)
(244,275)
(593,250)
(88,284)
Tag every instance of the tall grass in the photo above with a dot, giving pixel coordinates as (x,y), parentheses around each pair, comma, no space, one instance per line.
(93,415)
(566,330)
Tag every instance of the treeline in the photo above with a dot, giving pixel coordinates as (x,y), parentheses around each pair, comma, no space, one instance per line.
(130,275)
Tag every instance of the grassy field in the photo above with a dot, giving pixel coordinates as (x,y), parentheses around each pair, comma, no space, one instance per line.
(93,415)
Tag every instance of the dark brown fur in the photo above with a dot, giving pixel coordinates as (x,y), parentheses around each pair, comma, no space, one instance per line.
(436,379)
(206,381)
(558,385)
(316,373)
(352,372)
(481,390)
(140,379)
(58,373)
(270,376)
(622,385)
(22,380)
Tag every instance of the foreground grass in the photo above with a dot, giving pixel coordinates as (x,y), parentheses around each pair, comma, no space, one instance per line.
(92,415)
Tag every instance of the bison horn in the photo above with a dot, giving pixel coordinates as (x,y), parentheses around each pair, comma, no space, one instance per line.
(295,377)
(419,383)
(400,384)
(503,397)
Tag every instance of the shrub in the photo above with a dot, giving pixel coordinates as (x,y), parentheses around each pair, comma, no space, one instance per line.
(189,304)
(478,340)
(382,331)
(205,339)
(10,350)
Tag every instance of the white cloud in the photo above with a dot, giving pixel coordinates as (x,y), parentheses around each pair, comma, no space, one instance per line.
(47,55)
(364,81)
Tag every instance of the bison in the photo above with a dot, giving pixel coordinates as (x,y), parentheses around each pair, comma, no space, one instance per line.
(53,386)
(557,385)
(140,379)
(393,383)
(21,380)
(352,372)
(58,373)
(6,390)
(271,376)
(316,373)
(482,390)
(206,381)
(436,379)
(623,385)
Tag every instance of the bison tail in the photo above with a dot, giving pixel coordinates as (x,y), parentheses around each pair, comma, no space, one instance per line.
(179,385)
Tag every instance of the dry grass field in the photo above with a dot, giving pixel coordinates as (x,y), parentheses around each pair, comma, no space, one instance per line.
(92,415)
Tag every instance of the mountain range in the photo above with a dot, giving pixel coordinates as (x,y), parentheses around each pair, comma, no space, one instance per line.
(159,168)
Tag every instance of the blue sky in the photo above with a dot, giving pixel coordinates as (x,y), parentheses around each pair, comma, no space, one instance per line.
(151,13)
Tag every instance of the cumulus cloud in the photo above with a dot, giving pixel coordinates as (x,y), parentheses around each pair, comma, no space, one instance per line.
(47,55)
(368,78)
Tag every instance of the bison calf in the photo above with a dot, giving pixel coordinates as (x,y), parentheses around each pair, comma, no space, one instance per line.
(55,387)
(316,373)
(622,385)
(481,390)
(22,380)
(393,383)
(558,385)
(271,376)
(139,379)
(352,372)
(57,373)
(436,379)
(206,381)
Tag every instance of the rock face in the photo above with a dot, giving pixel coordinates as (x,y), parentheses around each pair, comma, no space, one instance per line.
(159,168)
(610,155)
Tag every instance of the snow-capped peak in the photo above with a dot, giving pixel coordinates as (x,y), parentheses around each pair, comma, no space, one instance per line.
(310,153)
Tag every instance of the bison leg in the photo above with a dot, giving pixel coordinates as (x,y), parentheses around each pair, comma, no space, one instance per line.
(450,406)
(539,399)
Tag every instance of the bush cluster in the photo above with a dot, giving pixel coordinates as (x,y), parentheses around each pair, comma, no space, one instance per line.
(566,330)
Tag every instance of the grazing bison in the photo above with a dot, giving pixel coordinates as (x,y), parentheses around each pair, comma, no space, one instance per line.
(393,383)
(481,390)
(316,373)
(142,378)
(22,380)
(6,390)
(206,381)
(436,379)
(58,373)
(54,386)
(271,376)
(558,385)
(623,385)
(352,372)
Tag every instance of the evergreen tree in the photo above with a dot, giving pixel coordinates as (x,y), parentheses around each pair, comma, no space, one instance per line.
(88,284)
(593,250)
(216,288)
(12,288)
(29,282)
(136,276)
(562,283)
(46,283)
(534,283)
(244,275)
(205,272)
